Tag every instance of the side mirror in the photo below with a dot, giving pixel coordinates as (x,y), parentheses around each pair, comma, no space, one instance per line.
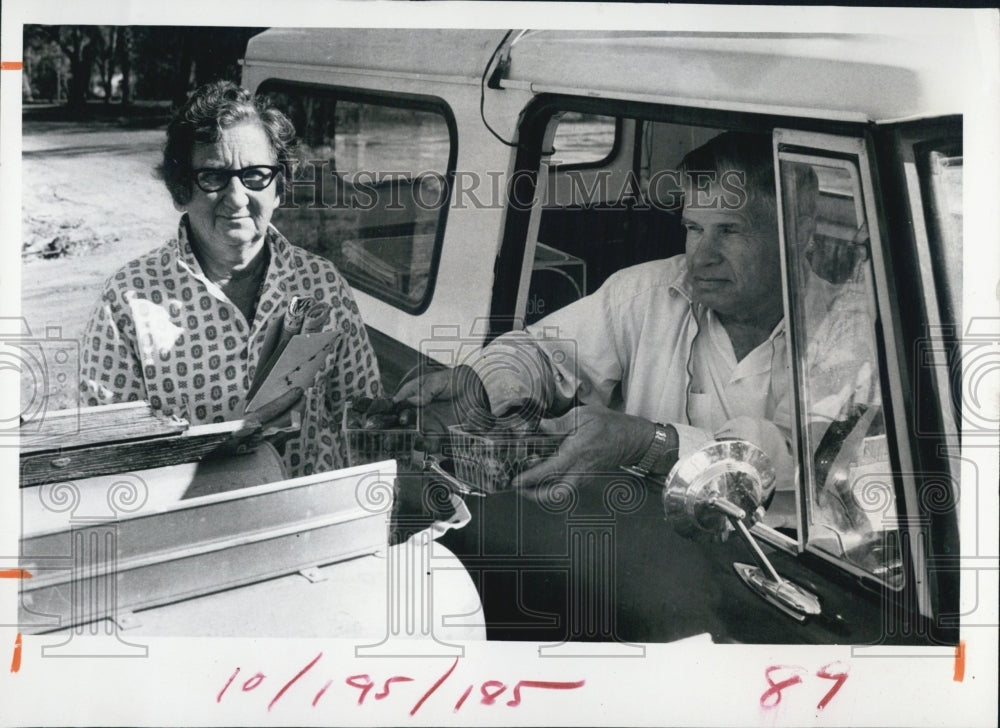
(729,478)
(723,485)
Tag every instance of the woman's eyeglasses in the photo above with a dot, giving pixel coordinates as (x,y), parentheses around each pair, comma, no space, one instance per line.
(254,178)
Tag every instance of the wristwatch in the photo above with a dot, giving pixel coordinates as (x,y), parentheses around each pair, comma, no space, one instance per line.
(656,450)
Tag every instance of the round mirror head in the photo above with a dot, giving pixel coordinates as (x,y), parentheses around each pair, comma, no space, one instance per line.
(735,471)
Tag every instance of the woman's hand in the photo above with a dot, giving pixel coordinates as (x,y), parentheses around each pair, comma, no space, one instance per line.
(269,421)
(597,440)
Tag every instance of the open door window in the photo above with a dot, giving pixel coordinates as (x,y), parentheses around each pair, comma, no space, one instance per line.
(839,313)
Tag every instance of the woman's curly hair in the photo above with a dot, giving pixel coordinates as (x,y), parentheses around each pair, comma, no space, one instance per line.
(209,110)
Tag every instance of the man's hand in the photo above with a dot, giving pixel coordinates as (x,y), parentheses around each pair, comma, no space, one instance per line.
(460,385)
(434,385)
(457,397)
(446,397)
(597,441)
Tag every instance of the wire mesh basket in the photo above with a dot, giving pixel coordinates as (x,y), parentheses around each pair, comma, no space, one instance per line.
(489,462)
(371,444)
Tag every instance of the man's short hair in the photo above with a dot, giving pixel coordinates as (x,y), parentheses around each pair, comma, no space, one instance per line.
(210,109)
(749,159)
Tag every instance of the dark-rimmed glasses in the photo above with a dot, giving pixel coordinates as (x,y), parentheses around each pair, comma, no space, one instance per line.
(255,178)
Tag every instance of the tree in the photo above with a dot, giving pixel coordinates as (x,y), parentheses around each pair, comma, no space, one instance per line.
(108,56)
(45,65)
(81,44)
(156,62)
(125,50)
(212,53)
(217,52)
(182,77)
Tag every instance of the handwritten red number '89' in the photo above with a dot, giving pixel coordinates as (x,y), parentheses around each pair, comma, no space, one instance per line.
(772,696)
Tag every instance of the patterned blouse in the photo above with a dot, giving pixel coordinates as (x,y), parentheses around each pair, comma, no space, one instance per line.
(164,332)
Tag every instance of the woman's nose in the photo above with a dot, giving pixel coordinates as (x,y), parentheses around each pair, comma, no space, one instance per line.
(235,193)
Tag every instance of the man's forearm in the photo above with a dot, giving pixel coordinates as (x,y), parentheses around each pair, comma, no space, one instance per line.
(514,371)
(660,447)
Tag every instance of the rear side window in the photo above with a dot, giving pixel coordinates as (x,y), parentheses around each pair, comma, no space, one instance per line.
(583,140)
(369,187)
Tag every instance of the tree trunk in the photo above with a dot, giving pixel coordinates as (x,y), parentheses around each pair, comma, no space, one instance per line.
(183,76)
(81,52)
(108,56)
(125,61)
(27,94)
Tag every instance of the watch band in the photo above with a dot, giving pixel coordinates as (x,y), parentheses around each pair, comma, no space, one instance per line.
(656,450)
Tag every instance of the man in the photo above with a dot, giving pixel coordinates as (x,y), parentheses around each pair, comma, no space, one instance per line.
(665,357)
(668,355)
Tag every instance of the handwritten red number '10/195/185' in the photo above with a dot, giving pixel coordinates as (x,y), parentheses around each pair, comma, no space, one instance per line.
(772,696)
(490,689)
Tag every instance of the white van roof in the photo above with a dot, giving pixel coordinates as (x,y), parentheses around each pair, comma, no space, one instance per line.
(458,53)
(860,77)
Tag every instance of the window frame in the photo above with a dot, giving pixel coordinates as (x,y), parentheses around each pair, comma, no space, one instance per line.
(937,375)
(396,100)
(791,145)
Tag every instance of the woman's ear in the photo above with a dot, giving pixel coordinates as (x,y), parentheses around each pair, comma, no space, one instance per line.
(287,172)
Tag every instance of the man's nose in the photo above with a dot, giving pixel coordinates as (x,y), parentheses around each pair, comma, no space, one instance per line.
(707,249)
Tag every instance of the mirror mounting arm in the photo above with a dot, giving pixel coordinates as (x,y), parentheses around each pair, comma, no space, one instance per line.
(764,580)
(722,485)
(758,552)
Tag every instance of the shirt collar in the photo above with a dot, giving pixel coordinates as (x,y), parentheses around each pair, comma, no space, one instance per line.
(184,250)
(679,285)
(280,249)
(709,314)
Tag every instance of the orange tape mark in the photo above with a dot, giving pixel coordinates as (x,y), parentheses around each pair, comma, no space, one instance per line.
(11,65)
(959,675)
(15,574)
(15,661)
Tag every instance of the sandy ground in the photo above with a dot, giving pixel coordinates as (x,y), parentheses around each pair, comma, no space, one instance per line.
(89,191)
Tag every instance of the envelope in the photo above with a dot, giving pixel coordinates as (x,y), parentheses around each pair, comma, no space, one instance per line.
(297,366)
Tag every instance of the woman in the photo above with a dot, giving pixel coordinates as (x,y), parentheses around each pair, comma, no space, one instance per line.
(186,326)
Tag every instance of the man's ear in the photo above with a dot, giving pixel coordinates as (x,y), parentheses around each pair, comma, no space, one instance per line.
(178,206)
